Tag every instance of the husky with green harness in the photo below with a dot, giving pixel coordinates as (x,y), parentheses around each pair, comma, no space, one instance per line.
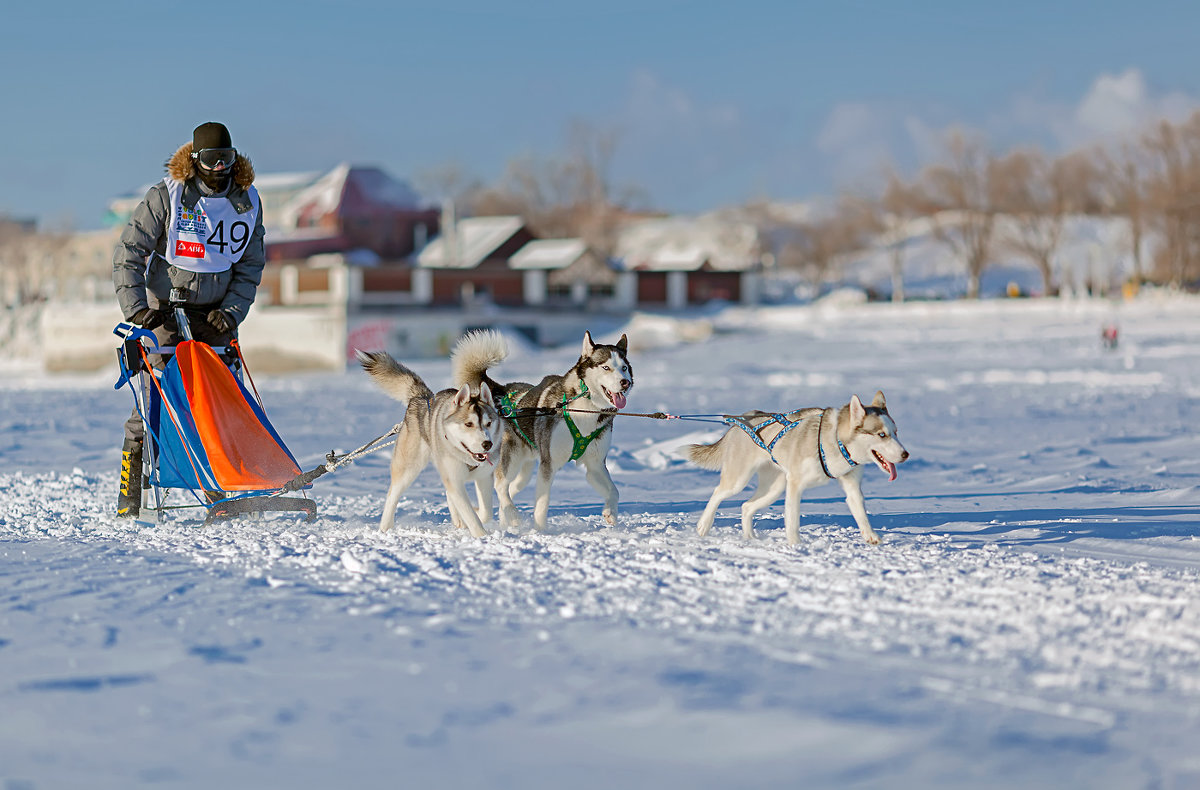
(563,418)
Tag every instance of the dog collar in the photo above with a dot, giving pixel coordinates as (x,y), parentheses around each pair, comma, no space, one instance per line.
(821,449)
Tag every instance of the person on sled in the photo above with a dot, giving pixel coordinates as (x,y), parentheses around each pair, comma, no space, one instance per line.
(196,239)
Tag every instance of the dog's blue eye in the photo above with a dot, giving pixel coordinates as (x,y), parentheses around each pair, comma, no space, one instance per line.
(883,434)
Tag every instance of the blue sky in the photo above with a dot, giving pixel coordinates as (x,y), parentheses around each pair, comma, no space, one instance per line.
(712,103)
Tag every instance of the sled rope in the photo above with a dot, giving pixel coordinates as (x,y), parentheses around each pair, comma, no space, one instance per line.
(334,461)
(237,348)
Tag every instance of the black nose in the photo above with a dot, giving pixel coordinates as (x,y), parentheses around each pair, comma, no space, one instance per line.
(904,456)
(626,384)
(487,444)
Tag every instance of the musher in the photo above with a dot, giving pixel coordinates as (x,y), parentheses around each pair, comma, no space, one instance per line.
(195,239)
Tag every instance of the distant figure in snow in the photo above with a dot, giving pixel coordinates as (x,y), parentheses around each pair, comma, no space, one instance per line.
(196,239)
(1108,336)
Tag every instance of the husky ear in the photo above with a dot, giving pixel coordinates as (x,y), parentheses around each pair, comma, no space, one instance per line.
(588,345)
(857,412)
(485,394)
(623,344)
(879,401)
(462,396)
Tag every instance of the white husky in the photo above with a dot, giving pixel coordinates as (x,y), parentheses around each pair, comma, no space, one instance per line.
(799,450)
(563,418)
(456,429)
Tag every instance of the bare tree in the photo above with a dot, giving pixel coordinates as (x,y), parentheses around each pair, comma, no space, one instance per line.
(1172,191)
(1038,194)
(813,245)
(32,262)
(566,195)
(898,206)
(1121,191)
(449,182)
(963,191)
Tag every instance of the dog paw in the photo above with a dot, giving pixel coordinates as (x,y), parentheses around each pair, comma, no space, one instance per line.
(873,538)
(610,519)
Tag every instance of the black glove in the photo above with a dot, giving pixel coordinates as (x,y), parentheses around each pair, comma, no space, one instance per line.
(221,321)
(148,318)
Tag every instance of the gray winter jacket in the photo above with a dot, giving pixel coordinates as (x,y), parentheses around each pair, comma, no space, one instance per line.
(141,274)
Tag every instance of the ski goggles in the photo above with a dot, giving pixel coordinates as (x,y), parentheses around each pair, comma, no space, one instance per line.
(216,158)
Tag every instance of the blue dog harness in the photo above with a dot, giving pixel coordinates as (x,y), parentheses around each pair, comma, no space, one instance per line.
(756,437)
(787,425)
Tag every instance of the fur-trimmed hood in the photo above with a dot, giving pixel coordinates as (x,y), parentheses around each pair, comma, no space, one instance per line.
(180,167)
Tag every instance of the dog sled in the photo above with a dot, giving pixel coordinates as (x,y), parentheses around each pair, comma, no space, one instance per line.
(206,435)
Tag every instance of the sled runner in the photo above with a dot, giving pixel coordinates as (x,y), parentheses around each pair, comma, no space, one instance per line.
(205,432)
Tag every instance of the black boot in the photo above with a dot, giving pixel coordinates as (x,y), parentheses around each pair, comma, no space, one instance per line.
(129,500)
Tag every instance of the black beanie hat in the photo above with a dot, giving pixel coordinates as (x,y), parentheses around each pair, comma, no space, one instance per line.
(210,135)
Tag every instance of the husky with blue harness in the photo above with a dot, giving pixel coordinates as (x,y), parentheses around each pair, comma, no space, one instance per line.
(799,450)
(563,418)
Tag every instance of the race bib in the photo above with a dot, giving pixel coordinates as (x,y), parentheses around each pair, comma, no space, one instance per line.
(210,237)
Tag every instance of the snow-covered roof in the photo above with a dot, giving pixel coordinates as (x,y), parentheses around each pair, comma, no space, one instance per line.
(288,196)
(326,193)
(382,189)
(681,243)
(270,182)
(475,239)
(548,254)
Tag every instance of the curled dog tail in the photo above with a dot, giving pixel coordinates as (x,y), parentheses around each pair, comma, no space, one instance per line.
(393,378)
(474,353)
(706,456)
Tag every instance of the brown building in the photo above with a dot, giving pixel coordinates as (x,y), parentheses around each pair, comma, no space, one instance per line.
(351,208)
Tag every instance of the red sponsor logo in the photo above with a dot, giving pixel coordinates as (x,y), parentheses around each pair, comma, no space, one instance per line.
(188,249)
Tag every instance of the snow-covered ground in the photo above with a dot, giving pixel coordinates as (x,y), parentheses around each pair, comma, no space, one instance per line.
(1031,619)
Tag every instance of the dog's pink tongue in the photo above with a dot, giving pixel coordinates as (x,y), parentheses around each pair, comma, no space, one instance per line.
(891,470)
(619,400)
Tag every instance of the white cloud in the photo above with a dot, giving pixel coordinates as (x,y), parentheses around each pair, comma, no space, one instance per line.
(1115,107)
(685,148)
(654,107)
(679,147)
(857,137)
(1121,105)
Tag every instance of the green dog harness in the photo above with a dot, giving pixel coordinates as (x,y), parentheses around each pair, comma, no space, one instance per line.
(508,411)
(580,443)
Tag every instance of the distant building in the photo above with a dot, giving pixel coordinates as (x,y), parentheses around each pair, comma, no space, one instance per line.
(567,273)
(471,265)
(346,209)
(355,259)
(680,261)
(350,208)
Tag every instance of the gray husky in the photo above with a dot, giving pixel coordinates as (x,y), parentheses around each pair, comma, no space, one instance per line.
(456,429)
(799,450)
(562,418)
